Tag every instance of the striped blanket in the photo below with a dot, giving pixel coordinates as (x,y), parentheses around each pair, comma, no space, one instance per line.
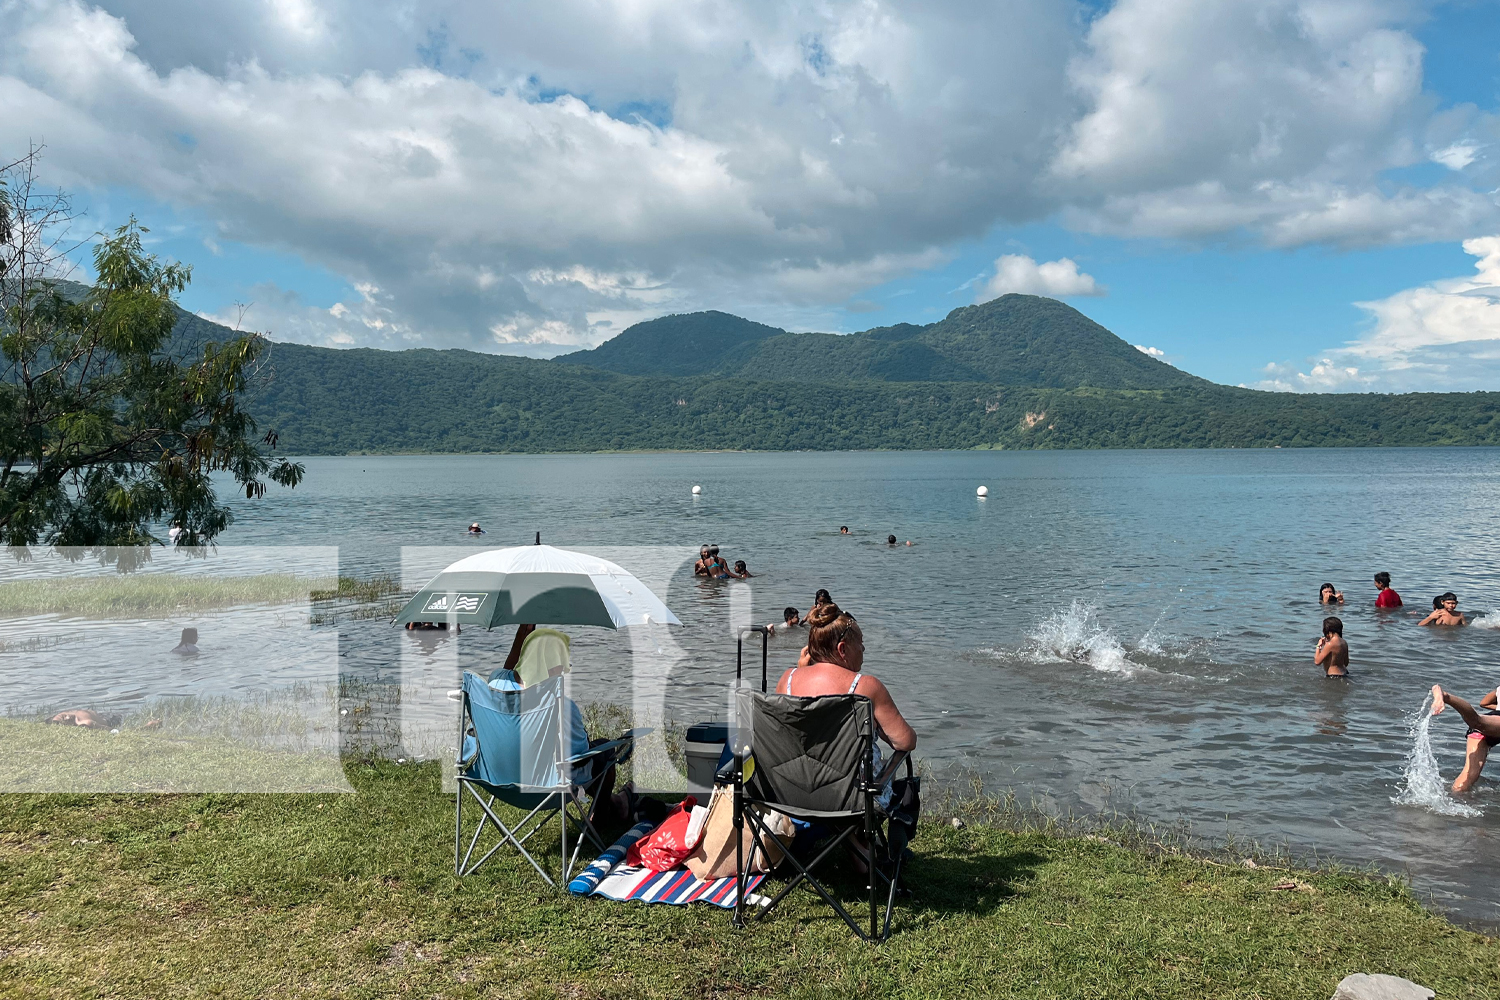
(678,887)
(609,877)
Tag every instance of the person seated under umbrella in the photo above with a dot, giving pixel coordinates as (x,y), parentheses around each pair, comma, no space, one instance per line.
(536,655)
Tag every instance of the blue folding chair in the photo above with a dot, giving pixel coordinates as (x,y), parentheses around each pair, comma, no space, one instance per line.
(516,749)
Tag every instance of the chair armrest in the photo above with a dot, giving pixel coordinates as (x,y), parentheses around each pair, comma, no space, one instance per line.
(626,740)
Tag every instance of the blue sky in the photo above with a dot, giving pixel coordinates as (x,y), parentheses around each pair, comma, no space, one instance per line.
(1289,194)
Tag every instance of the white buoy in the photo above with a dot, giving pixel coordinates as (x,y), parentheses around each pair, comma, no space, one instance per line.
(983,491)
(697,490)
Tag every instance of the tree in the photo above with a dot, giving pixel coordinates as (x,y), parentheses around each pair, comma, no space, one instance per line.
(107,428)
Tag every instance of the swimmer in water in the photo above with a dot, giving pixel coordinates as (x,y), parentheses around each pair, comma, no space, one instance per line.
(890,539)
(700,568)
(1387,598)
(1484,732)
(821,597)
(188,644)
(1332,652)
(1328,595)
(1445,612)
(790,619)
(844,529)
(740,570)
(475,529)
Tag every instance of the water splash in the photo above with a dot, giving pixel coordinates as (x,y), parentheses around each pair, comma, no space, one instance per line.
(1422,784)
(1077,636)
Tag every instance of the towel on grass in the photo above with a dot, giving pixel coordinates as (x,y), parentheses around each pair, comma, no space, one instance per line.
(677,887)
(607,876)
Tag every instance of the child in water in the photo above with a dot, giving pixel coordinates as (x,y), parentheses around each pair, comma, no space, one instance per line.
(1387,598)
(1332,653)
(1328,595)
(791,618)
(1445,611)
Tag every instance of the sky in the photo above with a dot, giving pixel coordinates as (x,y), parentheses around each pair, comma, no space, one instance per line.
(1300,196)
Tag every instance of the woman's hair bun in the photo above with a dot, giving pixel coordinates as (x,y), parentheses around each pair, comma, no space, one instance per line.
(823,615)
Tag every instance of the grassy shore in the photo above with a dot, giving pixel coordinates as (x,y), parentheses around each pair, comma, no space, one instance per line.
(354,895)
(150,595)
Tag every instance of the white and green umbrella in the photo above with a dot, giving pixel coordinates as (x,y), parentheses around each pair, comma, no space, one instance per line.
(536,585)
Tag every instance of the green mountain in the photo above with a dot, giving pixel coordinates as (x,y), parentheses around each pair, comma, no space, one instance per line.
(690,344)
(1022,373)
(1015,340)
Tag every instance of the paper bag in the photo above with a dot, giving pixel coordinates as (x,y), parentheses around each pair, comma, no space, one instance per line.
(714,856)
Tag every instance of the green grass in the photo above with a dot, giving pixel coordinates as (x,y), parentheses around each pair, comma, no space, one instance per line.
(351,588)
(173,758)
(354,896)
(147,595)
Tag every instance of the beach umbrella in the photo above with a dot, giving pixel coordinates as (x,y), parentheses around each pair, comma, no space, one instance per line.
(536,585)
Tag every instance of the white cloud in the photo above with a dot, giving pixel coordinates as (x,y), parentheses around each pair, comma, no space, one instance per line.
(1057,278)
(1155,352)
(1456,156)
(1442,335)
(1324,375)
(504,172)
(1276,118)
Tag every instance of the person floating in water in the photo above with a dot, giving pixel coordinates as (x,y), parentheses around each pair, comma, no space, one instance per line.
(475,529)
(1387,598)
(844,529)
(1332,653)
(790,619)
(1484,732)
(1328,595)
(188,644)
(433,627)
(1445,611)
(890,539)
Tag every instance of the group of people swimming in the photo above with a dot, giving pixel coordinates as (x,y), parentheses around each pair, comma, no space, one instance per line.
(890,540)
(716,567)
(1332,655)
(1332,651)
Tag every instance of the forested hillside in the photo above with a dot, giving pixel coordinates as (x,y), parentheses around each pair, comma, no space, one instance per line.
(325,401)
(901,387)
(1016,340)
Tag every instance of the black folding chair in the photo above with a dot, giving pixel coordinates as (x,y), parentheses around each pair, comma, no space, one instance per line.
(812,759)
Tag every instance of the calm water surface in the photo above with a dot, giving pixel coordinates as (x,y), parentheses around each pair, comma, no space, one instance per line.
(1108,630)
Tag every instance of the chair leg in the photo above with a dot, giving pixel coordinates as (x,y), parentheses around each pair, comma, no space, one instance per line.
(870,871)
(804,874)
(890,900)
(586,829)
(458,827)
(506,834)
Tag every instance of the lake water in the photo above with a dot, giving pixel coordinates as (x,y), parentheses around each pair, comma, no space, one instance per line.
(1106,631)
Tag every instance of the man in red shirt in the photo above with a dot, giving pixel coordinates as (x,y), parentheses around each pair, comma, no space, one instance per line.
(1388,598)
